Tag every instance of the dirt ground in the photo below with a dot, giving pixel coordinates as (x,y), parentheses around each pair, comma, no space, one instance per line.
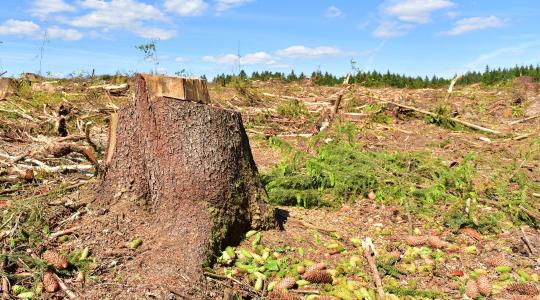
(113,270)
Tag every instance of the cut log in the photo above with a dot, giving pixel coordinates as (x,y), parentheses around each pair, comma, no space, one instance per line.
(193,166)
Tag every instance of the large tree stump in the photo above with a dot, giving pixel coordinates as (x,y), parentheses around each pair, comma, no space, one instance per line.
(192,165)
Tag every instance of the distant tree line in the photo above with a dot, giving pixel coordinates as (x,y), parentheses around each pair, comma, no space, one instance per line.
(377,79)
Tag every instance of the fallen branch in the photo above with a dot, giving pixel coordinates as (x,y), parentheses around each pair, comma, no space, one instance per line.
(464,123)
(303,135)
(57,234)
(115,90)
(57,169)
(369,253)
(526,241)
(23,115)
(111,146)
(6,287)
(337,104)
(64,287)
(524,120)
(523,136)
(451,87)
(311,226)
(238,282)
(87,127)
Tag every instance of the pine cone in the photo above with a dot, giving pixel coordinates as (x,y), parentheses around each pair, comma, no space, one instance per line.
(285,284)
(55,259)
(472,233)
(394,256)
(316,267)
(471,289)
(523,289)
(281,295)
(49,283)
(497,261)
(318,276)
(415,241)
(484,286)
(436,242)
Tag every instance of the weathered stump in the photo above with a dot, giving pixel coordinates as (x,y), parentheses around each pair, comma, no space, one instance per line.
(192,165)
(8,87)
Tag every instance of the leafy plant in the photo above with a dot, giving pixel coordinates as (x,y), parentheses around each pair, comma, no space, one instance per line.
(149,52)
(292,108)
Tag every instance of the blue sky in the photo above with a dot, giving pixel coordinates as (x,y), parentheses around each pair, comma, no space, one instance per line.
(414,37)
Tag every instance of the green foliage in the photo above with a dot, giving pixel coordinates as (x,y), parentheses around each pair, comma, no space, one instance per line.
(414,292)
(24,89)
(245,90)
(442,118)
(377,79)
(341,171)
(292,108)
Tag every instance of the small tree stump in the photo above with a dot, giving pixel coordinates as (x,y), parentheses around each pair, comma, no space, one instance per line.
(8,87)
(192,165)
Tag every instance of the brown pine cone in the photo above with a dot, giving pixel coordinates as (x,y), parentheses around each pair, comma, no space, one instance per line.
(285,284)
(472,233)
(281,295)
(316,267)
(523,289)
(436,242)
(318,276)
(471,289)
(55,259)
(415,241)
(484,286)
(49,283)
(497,261)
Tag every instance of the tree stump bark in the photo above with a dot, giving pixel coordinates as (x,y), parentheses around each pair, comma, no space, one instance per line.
(192,166)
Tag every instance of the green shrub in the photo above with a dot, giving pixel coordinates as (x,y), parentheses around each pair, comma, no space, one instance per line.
(292,108)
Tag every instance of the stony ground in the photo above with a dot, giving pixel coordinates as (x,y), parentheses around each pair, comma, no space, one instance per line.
(417,255)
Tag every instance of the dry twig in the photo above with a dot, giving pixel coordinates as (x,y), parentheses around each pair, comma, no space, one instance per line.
(464,123)
(369,253)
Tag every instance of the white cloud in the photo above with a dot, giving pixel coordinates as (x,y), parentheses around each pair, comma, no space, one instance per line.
(300,51)
(416,11)
(223,5)
(221,59)
(20,28)
(180,59)
(333,12)
(43,8)
(257,58)
(115,13)
(33,30)
(130,15)
(56,32)
(186,7)
(392,29)
(153,33)
(473,24)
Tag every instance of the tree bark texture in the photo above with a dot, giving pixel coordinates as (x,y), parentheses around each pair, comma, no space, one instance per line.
(191,165)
